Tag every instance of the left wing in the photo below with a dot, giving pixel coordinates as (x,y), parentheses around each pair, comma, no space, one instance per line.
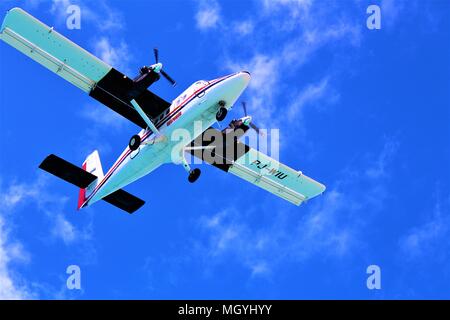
(233,156)
(79,67)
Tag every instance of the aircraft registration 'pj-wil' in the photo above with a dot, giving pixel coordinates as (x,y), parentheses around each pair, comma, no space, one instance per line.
(195,111)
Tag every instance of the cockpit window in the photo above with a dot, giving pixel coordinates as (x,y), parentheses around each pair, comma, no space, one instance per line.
(201,83)
(189,91)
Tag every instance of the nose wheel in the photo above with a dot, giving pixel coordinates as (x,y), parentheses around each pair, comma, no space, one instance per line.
(135,142)
(194,175)
(221,113)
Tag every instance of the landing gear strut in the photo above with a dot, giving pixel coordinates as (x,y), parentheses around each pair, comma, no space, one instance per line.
(135,142)
(194,175)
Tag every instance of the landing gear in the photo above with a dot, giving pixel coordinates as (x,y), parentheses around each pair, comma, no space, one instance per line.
(194,175)
(135,142)
(221,114)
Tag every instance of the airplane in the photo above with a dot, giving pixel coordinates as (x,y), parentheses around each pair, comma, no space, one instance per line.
(192,114)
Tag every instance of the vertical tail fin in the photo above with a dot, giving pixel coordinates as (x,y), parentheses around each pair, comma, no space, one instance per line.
(92,165)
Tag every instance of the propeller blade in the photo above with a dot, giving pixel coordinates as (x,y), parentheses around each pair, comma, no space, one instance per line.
(156,53)
(244,105)
(165,75)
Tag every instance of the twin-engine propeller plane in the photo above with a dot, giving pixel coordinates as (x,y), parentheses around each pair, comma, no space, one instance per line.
(194,111)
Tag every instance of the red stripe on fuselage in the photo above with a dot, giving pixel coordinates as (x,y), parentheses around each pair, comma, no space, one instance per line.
(148,133)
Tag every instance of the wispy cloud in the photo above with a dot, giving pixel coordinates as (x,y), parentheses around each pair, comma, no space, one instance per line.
(11,251)
(14,196)
(103,117)
(207,15)
(104,17)
(117,55)
(243,28)
(279,56)
(378,168)
(312,94)
(331,226)
(431,237)
(295,8)
(109,47)
(63,229)
(264,71)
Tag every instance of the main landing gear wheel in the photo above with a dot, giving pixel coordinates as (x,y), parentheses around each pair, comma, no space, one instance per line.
(194,175)
(135,142)
(221,114)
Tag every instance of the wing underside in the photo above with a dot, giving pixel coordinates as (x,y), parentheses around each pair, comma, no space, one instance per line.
(76,65)
(235,157)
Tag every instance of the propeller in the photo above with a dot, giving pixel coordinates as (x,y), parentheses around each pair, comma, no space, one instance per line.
(248,120)
(157,67)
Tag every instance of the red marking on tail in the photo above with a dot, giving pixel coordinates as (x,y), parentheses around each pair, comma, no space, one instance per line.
(82,194)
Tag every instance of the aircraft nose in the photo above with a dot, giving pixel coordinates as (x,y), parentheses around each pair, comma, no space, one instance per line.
(245,76)
(240,79)
(229,88)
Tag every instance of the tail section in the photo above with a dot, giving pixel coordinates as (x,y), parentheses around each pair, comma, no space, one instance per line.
(92,165)
(87,178)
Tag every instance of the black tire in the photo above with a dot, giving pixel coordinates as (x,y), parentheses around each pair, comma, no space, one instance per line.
(221,114)
(135,142)
(194,175)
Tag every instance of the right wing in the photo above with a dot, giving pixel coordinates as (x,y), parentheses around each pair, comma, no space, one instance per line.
(63,57)
(235,157)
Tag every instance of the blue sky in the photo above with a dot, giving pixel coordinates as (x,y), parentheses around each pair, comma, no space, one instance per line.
(366,112)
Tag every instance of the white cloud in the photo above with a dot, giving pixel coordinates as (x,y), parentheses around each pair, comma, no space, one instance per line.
(296,8)
(330,226)
(103,117)
(310,95)
(261,89)
(104,16)
(378,168)
(275,67)
(316,36)
(64,230)
(17,193)
(11,252)
(117,56)
(259,268)
(52,206)
(243,28)
(321,231)
(207,16)
(232,235)
(431,237)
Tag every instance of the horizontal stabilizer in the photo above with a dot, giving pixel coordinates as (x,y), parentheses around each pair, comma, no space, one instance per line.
(124,200)
(67,171)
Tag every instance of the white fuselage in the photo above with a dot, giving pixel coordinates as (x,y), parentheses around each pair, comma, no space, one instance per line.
(190,115)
